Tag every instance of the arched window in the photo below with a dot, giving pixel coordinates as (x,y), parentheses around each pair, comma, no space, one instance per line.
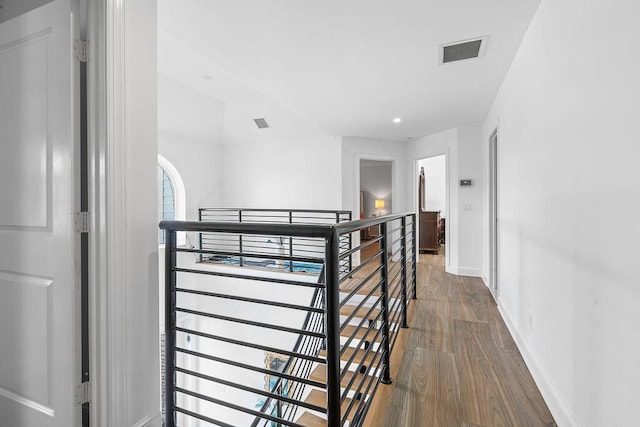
(171,197)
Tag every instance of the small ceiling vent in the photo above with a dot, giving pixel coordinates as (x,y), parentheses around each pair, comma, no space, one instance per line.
(261,123)
(462,50)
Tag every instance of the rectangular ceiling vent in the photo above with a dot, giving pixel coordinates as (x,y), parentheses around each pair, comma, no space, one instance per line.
(261,123)
(462,50)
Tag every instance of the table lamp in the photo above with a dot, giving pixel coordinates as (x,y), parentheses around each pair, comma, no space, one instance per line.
(379,204)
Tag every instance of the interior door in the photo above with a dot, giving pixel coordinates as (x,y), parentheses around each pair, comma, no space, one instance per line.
(39,306)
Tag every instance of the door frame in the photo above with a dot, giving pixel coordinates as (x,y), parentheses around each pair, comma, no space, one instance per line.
(395,190)
(116,54)
(494,214)
(414,185)
(376,158)
(106,133)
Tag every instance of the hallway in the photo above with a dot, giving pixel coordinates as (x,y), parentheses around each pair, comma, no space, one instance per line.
(461,366)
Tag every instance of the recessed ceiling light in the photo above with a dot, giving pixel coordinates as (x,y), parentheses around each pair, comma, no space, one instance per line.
(207,77)
(397,120)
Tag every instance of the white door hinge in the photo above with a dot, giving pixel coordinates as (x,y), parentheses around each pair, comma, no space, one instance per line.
(81,50)
(81,221)
(83,393)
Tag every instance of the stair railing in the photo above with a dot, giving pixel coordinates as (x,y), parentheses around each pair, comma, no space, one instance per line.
(244,245)
(348,330)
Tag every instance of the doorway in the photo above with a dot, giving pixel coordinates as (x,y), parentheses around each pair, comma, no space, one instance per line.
(376,197)
(376,188)
(432,201)
(493,213)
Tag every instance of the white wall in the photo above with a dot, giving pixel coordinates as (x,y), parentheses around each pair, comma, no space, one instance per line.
(375,182)
(435,170)
(190,136)
(290,165)
(355,149)
(462,147)
(569,202)
(301,174)
(470,202)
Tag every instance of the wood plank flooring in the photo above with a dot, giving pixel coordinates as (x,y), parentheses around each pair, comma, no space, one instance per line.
(461,366)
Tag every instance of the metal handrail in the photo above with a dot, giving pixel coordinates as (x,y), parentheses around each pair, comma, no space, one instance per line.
(249,247)
(382,308)
(296,348)
(343,212)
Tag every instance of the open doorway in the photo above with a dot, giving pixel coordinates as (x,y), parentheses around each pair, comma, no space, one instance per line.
(376,198)
(433,204)
(375,188)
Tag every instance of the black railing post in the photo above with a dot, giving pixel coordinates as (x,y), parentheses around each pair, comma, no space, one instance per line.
(350,244)
(200,234)
(403,266)
(332,321)
(385,378)
(291,244)
(241,260)
(414,247)
(169,327)
(279,403)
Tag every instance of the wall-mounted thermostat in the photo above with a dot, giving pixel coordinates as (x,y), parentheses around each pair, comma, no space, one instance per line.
(464,182)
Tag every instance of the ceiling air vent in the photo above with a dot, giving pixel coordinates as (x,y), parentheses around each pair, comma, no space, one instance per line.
(261,123)
(462,50)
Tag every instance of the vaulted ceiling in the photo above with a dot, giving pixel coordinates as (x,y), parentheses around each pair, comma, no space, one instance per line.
(347,66)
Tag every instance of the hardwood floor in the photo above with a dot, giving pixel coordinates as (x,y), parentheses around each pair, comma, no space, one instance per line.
(461,366)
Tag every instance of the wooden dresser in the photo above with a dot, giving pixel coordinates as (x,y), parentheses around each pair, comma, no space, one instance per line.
(429,231)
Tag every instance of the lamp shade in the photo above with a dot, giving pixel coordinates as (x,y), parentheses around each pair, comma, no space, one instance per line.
(379,204)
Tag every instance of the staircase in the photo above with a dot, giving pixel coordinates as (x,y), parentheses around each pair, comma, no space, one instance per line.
(360,340)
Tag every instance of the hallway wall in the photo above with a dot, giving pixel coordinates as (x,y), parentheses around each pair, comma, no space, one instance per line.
(462,146)
(190,129)
(292,164)
(567,117)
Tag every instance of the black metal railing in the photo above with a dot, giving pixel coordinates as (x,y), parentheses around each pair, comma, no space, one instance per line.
(301,367)
(246,246)
(335,331)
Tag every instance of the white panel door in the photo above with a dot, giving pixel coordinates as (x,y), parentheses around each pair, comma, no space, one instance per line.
(39,321)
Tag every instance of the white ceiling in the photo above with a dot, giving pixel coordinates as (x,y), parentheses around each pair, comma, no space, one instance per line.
(348,67)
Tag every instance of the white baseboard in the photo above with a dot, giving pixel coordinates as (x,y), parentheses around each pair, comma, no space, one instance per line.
(486,281)
(463,271)
(151,420)
(558,407)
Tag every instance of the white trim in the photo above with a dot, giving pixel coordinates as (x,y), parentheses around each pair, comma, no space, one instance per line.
(493,216)
(485,280)
(107,202)
(558,407)
(395,184)
(395,189)
(464,271)
(179,194)
(116,205)
(151,420)
(27,402)
(446,152)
